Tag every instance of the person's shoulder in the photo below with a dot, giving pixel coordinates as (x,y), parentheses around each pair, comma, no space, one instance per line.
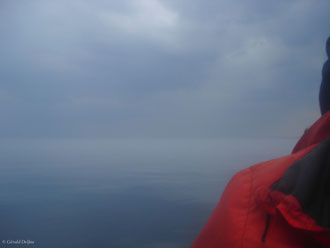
(267,172)
(265,168)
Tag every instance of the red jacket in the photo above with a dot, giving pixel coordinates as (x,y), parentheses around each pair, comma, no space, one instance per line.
(283,202)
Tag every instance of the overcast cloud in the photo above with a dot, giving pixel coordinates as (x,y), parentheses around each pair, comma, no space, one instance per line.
(157,69)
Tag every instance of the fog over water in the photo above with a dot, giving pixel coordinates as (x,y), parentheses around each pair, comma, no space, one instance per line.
(118,193)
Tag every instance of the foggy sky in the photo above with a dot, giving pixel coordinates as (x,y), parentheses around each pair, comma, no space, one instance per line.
(160,69)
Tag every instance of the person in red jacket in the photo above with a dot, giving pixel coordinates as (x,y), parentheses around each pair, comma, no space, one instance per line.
(283,202)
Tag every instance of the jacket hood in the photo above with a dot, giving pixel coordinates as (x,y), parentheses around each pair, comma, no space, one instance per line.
(302,194)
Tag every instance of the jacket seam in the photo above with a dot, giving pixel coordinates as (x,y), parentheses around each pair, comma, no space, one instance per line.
(249,209)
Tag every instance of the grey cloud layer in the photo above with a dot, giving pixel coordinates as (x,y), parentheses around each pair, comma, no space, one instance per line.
(152,68)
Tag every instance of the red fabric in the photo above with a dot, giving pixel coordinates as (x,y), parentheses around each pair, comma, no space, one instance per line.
(289,208)
(239,220)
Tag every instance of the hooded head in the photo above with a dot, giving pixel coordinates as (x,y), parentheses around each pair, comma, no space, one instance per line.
(324,95)
(328,47)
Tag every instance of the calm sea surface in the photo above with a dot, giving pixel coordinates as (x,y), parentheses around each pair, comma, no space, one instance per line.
(118,193)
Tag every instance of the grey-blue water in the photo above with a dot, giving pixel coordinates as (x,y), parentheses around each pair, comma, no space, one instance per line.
(118,193)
